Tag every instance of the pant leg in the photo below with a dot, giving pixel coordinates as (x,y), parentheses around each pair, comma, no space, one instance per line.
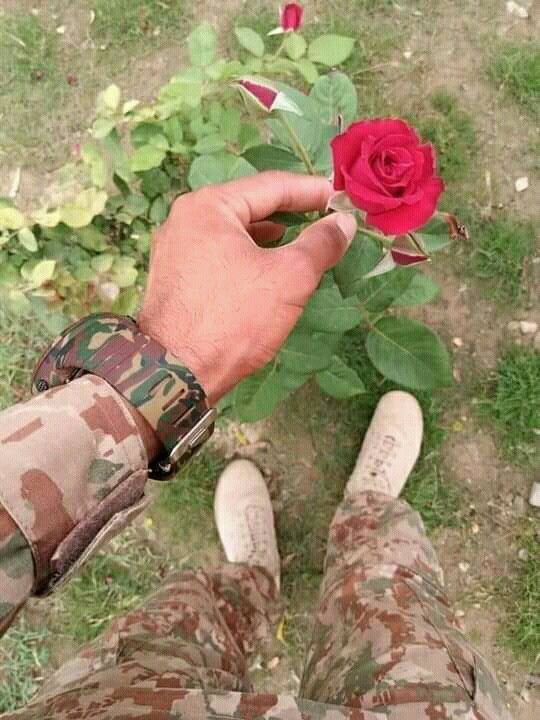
(386,638)
(196,632)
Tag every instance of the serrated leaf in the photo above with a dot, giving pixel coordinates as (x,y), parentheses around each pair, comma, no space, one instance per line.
(308,70)
(27,239)
(295,45)
(330,49)
(328,311)
(209,169)
(11,218)
(360,258)
(409,353)
(146,158)
(202,45)
(335,95)
(42,272)
(271,157)
(302,354)
(148,133)
(422,289)
(339,380)
(250,40)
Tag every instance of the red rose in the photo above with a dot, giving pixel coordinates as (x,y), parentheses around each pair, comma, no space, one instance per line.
(386,171)
(292,16)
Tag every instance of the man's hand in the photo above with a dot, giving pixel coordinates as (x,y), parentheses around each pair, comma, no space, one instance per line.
(215,299)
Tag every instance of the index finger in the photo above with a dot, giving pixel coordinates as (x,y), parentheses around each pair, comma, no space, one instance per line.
(256,197)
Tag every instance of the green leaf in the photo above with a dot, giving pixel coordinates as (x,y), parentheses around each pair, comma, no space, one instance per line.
(308,70)
(146,158)
(249,136)
(409,353)
(118,157)
(18,303)
(327,311)
(202,45)
(103,127)
(422,289)
(159,210)
(209,169)
(250,40)
(11,218)
(91,238)
(84,272)
(295,45)
(9,275)
(127,302)
(98,167)
(362,256)
(46,218)
(434,236)
(330,49)
(378,293)
(271,157)
(335,95)
(339,380)
(230,124)
(124,274)
(155,182)
(302,354)
(209,144)
(102,263)
(135,205)
(84,208)
(109,99)
(147,133)
(174,131)
(42,272)
(27,239)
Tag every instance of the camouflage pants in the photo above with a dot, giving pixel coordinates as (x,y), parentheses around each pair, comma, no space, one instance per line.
(385,644)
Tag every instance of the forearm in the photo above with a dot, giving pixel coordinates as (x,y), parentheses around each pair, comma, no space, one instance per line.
(72,462)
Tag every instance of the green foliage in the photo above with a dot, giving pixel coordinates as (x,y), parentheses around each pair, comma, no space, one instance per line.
(516,69)
(501,249)
(511,401)
(521,631)
(89,251)
(452,132)
(23,655)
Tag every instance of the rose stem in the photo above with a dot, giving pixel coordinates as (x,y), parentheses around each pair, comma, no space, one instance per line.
(376,235)
(280,49)
(300,149)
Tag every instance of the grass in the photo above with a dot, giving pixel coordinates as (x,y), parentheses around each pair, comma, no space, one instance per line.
(112,584)
(32,80)
(23,654)
(121,22)
(515,68)
(452,132)
(501,248)
(521,631)
(512,404)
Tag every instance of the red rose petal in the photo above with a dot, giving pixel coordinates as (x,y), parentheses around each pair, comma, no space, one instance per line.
(292,16)
(367,199)
(405,218)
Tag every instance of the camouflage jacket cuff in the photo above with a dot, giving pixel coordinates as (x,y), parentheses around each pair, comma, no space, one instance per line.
(73,470)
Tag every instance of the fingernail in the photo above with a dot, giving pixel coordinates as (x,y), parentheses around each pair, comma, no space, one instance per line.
(346,222)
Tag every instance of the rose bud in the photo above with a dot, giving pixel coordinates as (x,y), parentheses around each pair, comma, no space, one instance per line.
(386,171)
(266,96)
(291,18)
(406,250)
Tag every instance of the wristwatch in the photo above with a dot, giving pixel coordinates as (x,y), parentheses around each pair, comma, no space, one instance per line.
(164,391)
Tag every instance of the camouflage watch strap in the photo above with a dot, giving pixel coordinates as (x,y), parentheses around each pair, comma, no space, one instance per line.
(164,391)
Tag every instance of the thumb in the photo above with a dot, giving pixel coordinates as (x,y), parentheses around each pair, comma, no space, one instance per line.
(325,242)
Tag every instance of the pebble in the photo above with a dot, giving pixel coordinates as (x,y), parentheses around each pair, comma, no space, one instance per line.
(528,327)
(525,695)
(534,498)
(274,662)
(512,8)
(464,566)
(460,613)
(61,29)
(475,528)
(521,184)
(407,54)
(458,342)
(523,554)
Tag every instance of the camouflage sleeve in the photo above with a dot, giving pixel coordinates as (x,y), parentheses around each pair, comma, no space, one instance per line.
(73,468)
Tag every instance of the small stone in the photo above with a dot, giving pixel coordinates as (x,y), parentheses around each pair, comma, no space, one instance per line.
(460,613)
(512,8)
(527,327)
(61,29)
(519,505)
(464,567)
(273,663)
(456,374)
(457,342)
(534,498)
(477,606)
(521,184)
(475,528)
(513,326)
(407,54)
(525,695)
(523,554)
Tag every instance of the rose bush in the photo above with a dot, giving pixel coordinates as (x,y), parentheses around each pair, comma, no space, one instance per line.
(86,247)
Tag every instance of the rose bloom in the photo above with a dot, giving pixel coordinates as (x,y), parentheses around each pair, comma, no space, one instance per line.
(386,171)
(292,16)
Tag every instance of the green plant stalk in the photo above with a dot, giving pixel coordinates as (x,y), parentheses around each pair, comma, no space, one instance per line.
(300,149)
(280,49)
(377,236)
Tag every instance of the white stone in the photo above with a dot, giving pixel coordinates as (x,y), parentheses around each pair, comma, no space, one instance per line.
(512,8)
(534,498)
(61,29)
(407,54)
(464,567)
(521,184)
(523,554)
(528,327)
(460,613)
(457,342)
